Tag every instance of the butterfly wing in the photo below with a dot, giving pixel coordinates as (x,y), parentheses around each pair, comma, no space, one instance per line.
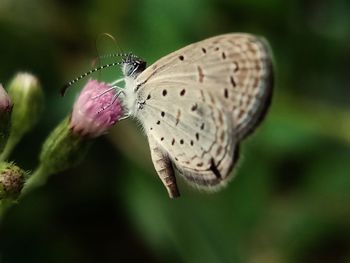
(199,102)
(195,135)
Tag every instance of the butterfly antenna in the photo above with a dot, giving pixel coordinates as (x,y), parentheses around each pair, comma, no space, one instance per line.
(113,55)
(70,83)
(119,54)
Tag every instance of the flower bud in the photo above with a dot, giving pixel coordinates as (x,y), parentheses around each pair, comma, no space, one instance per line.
(96,110)
(5,116)
(11,180)
(62,149)
(27,98)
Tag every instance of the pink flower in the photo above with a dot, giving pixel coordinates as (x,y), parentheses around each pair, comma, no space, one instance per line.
(5,101)
(96,110)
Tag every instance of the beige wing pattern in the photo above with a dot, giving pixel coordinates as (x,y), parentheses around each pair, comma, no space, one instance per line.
(218,89)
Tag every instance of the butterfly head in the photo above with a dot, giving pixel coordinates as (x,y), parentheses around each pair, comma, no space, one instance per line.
(132,66)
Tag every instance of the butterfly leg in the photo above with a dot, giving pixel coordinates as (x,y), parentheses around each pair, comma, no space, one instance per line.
(115,97)
(116,82)
(164,168)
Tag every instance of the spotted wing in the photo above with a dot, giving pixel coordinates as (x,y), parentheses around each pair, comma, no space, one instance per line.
(200,101)
(235,68)
(192,132)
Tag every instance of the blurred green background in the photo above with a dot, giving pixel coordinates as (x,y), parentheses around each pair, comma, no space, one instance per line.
(290,201)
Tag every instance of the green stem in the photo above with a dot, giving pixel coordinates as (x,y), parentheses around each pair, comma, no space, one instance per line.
(10,145)
(4,205)
(38,178)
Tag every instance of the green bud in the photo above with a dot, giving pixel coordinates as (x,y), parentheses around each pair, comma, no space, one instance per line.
(62,149)
(11,180)
(5,117)
(27,97)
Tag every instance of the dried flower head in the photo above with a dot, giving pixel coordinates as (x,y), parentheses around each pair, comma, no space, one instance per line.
(96,110)
(11,180)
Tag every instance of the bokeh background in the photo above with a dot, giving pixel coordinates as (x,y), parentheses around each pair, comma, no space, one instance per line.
(290,201)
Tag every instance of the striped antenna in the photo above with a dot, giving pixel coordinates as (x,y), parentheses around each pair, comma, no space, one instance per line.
(113,55)
(70,83)
(110,36)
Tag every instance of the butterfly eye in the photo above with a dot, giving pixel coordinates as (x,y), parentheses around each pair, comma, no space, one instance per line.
(134,67)
(142,65)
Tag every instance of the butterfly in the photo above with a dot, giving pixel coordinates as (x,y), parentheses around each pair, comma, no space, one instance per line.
(197,104)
